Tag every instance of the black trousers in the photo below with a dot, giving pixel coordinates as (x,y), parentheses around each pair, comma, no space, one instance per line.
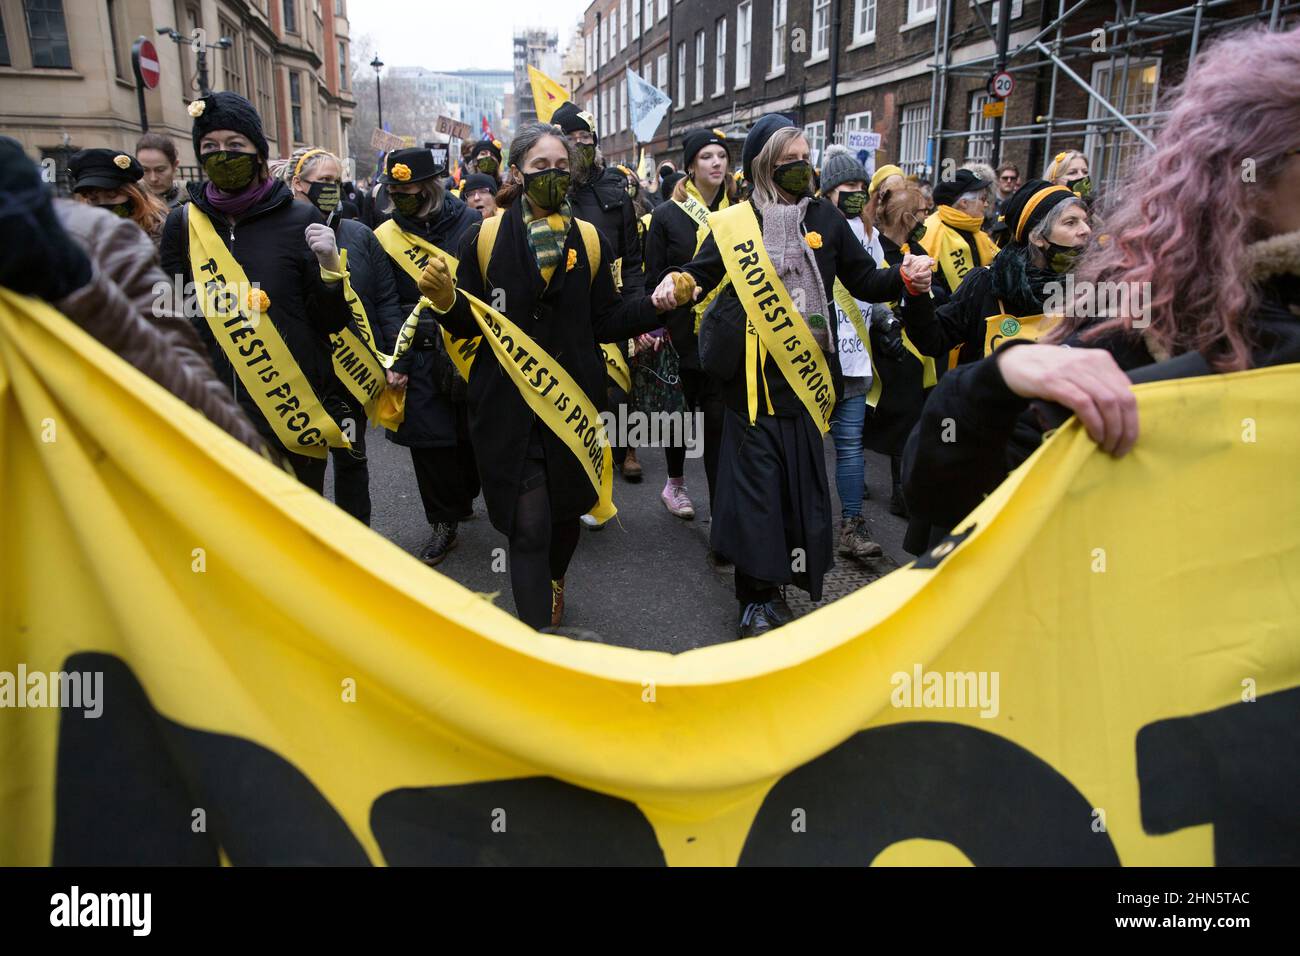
(351,468)
(448,481)
(310,471)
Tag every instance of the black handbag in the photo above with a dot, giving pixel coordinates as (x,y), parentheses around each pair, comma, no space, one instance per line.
(722,337)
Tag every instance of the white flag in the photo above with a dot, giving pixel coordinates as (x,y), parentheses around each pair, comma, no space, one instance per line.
(647,104)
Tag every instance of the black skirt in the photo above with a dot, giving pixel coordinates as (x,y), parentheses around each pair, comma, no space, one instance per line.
(772,516)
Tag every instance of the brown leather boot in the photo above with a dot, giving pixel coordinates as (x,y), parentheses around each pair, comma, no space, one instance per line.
(631,467)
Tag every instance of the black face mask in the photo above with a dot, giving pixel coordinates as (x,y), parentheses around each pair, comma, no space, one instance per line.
(851,203)
(914,237)
(794,178)
(230,171)
(587,154)
(1062,259)
(123,209)
(487,165)
(325,196)
(547,188)
(408,204)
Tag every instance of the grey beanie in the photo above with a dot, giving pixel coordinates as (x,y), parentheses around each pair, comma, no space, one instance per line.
(839,166)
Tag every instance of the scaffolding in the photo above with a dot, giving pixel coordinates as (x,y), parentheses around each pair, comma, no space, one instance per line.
(1115,127)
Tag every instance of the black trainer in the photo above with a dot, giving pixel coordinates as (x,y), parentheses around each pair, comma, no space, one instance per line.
(897,506)
(780,611)
(442,541)
(757,619)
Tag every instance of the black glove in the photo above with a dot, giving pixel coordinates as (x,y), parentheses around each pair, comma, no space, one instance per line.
(37,256)
(889,340)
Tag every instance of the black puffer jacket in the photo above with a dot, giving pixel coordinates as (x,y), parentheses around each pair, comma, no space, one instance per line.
(434,389)
(605,204)
(269,242)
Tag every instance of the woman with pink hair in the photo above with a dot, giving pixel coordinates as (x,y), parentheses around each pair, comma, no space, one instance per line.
(1206,232)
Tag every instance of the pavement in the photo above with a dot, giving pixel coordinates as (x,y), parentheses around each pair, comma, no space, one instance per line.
(644,580)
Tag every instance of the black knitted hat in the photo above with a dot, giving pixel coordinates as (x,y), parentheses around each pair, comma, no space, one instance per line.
(228,111)
(758,136)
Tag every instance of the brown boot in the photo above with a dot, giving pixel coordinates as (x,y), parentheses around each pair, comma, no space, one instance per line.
(854,542)
(631,467)
(557,602)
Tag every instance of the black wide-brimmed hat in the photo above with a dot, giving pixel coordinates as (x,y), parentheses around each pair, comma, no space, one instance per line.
(414,165)
(103,169)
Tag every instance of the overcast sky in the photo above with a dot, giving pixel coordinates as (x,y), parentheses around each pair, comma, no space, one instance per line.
(443,36)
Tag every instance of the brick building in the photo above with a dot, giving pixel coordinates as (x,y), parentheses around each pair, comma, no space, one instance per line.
(914,71)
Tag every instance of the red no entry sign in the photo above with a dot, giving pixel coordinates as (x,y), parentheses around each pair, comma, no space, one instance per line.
(146,58)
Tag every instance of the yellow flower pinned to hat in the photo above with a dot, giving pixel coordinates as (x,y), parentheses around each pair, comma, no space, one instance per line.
(122,161)
(571,261)
(258,300)
(496,143)
(814,240)
(401,172)
(720,134)
(196,108)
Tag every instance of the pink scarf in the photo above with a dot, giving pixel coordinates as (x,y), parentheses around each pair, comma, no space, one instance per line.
(234,205)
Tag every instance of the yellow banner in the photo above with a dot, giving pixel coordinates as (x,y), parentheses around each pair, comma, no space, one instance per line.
(412,253)
(250,340)
(769,310)
(1101,666)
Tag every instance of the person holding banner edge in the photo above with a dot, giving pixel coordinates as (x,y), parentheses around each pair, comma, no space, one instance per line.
(535,426)
(783,251)
(254,253)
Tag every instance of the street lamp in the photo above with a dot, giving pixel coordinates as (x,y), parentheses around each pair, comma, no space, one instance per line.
(197,42)
(378,64)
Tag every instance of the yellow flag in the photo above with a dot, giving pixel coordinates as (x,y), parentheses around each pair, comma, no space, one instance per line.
(1101,666)
(548,95)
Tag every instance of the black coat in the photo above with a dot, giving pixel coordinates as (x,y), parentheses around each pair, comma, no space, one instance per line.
(269,242)
(841,256)
(567,318)
(605,204)
(432,393)
(996,429)
(669,245)
(960,322)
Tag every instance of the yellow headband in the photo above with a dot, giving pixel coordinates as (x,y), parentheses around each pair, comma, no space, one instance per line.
(1030,206)
(297,170)
(880,175)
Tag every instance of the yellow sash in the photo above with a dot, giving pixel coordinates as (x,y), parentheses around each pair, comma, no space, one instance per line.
(929,373)
(693,205)
(553,395)
(413,253)
(254,347)
(943,243)
(616,366)
(844,299)
(780,330)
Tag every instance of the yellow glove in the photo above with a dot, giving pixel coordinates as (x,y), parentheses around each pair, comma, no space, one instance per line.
(684,287)
(437,285)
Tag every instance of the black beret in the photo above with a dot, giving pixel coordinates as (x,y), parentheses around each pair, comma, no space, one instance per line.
(758,136)
(949,191)
(103,169)
(420,162)
(228,111)
(697,139)
(478,181)
(571,119)
(491,145)
(1029,204)
(668,184)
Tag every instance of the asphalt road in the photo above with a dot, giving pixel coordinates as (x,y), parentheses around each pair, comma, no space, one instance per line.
(644,580)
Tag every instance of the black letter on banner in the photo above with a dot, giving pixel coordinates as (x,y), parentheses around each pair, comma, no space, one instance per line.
(992,799)
(548,823)
(127,783)
(1237,768)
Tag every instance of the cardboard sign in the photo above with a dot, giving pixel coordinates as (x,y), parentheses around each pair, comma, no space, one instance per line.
(451,127)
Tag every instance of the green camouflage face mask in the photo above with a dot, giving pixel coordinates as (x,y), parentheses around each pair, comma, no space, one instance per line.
(487,165)
(408,204)
(587,153)
(851,203)
(230,171)
(123,209)
(547,188)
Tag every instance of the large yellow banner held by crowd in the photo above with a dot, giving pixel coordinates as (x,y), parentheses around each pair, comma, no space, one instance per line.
(1102,666)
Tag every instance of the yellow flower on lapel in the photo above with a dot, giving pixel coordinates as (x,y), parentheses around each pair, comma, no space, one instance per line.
(401,172)
(814,240)
(258,300)
(572,260)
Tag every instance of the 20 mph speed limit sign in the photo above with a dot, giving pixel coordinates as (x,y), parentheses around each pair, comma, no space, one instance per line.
(1001,85)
